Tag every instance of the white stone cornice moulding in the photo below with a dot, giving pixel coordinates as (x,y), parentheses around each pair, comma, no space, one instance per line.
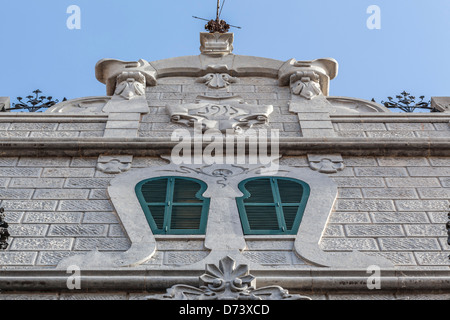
(347,105)
(93,147)
(86,105)
(393,281)
(234,65)
(107,70)
(224,235)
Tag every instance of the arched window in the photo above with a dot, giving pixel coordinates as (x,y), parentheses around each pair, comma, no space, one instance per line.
(174,205)
(272,205)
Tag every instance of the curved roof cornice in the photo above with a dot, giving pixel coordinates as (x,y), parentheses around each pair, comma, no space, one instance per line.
(217,57)
(107,70)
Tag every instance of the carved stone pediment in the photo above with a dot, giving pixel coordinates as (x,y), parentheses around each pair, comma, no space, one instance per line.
(222,114)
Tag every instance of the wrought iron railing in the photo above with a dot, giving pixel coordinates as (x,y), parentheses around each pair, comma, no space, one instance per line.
(407,103)
(32,103)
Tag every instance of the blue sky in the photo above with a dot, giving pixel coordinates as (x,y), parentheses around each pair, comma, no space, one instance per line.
(410,52)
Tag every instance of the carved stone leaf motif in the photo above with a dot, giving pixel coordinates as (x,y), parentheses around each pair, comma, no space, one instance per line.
(130,84)
(227,282)
(220,116)
(306,84)
(217,80)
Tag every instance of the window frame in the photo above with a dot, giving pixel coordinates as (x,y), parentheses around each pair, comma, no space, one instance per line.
(169,204)
(277,203)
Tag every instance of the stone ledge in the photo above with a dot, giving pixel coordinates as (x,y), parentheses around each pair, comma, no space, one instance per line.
(391,117)
(317,280)
(288,146)
(37,117)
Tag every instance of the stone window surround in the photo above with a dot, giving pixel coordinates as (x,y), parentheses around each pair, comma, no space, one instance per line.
(144,243)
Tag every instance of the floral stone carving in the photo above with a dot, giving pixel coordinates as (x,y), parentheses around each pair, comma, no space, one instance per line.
(217,80)
(306,84)
(227,282)
(130,84)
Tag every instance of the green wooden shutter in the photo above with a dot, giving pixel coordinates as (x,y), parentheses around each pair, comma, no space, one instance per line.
(174,205)
(272,205)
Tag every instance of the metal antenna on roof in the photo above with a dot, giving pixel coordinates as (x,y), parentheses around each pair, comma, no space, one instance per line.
(220,12)
(217,25)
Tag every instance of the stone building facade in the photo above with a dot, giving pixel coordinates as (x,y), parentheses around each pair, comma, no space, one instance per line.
(378,181)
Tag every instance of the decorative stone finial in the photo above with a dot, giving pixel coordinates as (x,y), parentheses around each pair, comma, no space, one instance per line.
(216,44)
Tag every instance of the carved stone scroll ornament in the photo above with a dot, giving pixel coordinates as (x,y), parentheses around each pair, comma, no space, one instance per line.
(130,84)
(306,84)
(224,115)
(217,80)
(114,164)
(326,163)
(227,282)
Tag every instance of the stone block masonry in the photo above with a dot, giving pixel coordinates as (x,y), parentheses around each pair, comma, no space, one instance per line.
(394,207)
(32,125)
(56,207)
